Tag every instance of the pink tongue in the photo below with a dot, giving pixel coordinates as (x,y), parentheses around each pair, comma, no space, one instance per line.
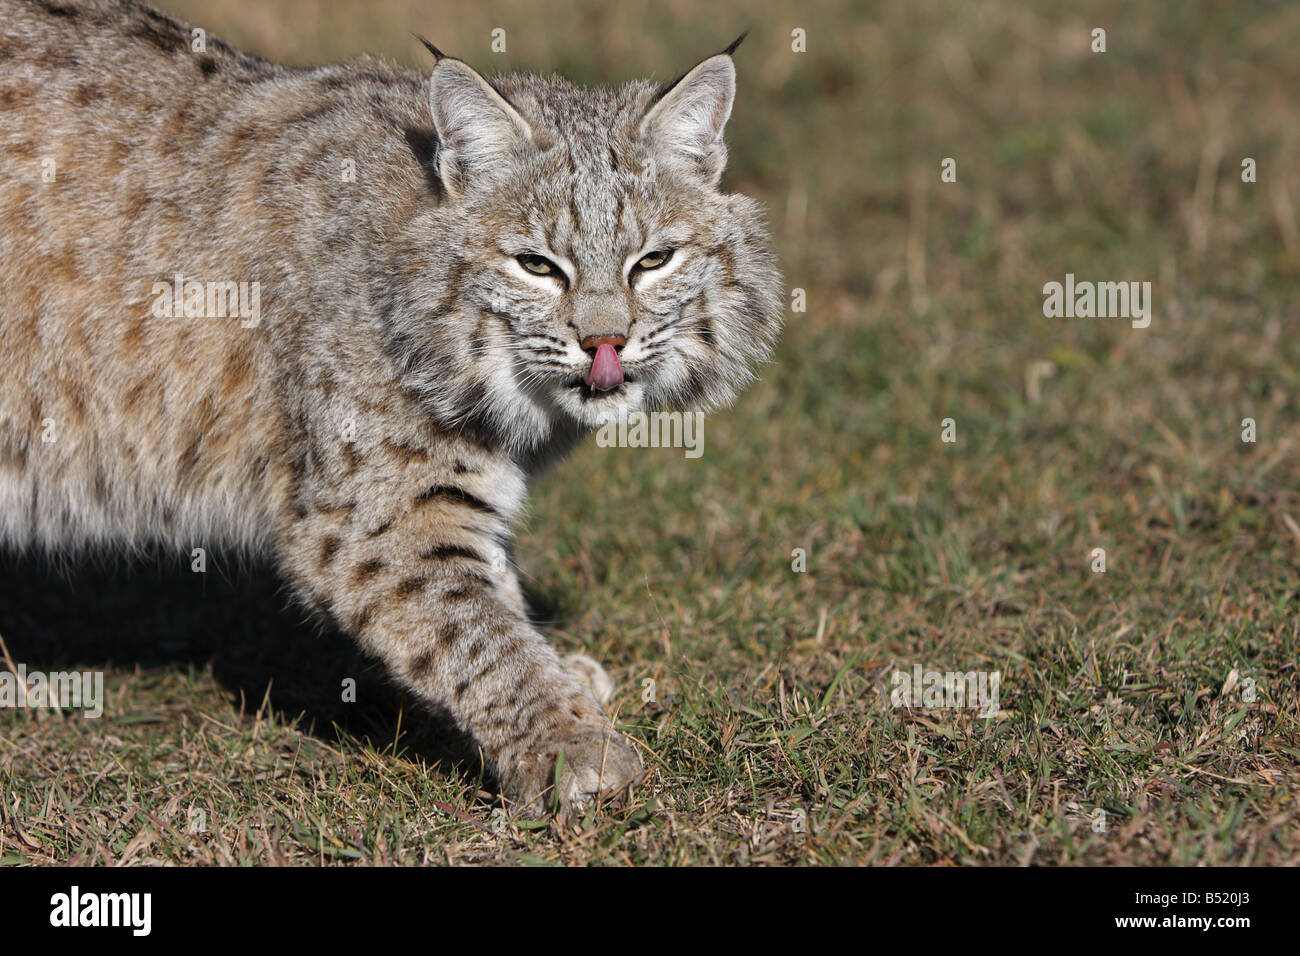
(606,371)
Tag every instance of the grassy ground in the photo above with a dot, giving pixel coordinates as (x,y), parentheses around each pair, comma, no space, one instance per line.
(1127,691)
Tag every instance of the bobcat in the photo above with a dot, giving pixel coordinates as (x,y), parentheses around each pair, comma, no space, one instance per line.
(347,315)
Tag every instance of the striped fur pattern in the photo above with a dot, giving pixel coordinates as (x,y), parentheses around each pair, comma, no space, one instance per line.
(376,424)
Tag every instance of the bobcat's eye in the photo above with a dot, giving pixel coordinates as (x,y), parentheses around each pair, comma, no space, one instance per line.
(538,265)
(655,260)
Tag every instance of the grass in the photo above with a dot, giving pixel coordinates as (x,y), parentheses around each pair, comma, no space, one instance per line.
(1125,690)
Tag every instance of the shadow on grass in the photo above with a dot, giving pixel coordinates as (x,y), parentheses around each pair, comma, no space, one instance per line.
(100,612)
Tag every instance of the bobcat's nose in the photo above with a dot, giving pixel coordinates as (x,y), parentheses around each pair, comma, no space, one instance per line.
(593,342)
(606,371)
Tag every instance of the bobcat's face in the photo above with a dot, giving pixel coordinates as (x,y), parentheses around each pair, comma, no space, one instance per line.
(599,270)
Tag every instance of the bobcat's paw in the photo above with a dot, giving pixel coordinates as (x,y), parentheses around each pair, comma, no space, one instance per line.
(591,676)
(599,763)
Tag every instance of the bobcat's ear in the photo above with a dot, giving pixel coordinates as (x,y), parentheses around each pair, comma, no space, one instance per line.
(688,116)
(477,127)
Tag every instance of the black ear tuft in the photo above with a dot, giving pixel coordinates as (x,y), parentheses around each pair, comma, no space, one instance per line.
(666,88)
(439,55)
(732,49)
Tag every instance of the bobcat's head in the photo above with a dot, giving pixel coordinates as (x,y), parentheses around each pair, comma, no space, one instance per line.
(586,263)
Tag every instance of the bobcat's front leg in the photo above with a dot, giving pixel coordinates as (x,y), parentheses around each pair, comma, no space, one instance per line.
(410,558)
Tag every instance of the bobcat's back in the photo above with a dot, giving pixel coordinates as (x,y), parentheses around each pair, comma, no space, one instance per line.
(127,158)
